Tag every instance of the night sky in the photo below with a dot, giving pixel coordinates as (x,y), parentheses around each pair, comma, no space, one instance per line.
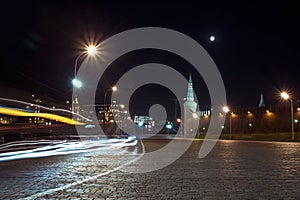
(256,47)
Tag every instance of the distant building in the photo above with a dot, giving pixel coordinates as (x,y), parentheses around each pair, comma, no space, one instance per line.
(6,119)
(112,113)
(109,115)
(144,121)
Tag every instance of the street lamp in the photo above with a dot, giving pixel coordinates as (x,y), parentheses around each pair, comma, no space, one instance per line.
(226,110)
(114,88)
(77,83)
(90,51)
(286,96)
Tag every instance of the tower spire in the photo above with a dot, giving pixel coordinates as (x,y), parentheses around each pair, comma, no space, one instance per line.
(190,93)
(190,78)
(261,101)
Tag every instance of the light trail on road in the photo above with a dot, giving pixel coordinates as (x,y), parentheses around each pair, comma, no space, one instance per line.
(104,146)
(47,192)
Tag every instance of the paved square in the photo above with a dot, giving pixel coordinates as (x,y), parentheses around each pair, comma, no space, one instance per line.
(233,170)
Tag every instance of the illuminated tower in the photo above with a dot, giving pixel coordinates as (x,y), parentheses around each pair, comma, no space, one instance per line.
(261,101)
(190,108)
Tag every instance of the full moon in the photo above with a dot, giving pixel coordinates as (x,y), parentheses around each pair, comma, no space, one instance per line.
(212,38)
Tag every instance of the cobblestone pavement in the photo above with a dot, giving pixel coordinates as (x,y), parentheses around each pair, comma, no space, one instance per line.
(233,170)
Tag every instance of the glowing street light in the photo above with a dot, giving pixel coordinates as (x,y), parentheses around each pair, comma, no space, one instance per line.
(286,96)
(90,51)
(113,89)
(77,83)
(226,110)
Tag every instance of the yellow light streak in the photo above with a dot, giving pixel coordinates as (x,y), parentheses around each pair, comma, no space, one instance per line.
(8,111)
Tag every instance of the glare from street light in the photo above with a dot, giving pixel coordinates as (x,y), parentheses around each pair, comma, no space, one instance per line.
(114,88)
(77,83)
(91,50)
(285,95)
(225,109)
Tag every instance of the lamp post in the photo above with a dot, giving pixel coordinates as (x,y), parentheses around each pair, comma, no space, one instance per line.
(226,110)
(286,96)
(114,88)
(90,51)
(232,115)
